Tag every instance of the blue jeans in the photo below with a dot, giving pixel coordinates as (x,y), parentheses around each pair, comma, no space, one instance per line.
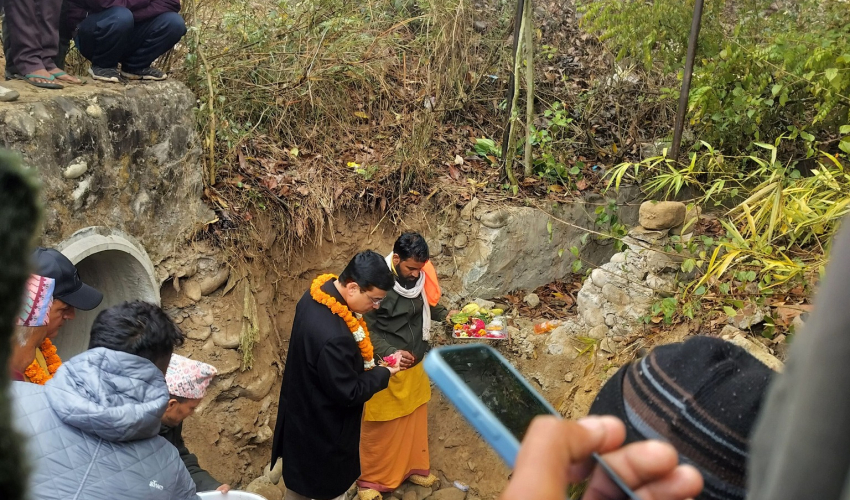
(112,36)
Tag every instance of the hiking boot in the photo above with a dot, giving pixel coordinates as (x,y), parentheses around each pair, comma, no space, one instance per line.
(7,95)
(149,73)
(105,74)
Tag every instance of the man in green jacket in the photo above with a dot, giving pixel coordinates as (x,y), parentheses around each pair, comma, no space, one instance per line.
(187,381)
(394,433)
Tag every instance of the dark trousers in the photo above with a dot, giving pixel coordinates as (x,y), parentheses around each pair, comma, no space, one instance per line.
(59,60)
(33,34)
(111,37)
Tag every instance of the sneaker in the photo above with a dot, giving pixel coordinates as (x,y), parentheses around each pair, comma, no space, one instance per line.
(149,73)
(105,74)
(7,95)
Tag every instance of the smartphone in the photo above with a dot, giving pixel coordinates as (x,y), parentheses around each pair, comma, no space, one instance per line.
(494,397)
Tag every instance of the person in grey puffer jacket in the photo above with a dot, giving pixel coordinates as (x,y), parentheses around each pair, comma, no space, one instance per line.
(93,428)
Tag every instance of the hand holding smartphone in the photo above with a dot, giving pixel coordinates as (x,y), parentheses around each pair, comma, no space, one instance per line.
(492,395)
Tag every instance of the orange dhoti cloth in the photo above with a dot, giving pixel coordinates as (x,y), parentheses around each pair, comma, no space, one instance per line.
(394,432)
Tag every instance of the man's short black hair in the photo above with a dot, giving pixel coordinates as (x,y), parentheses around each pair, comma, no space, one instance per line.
(136,328)
(411,245)
(368,269)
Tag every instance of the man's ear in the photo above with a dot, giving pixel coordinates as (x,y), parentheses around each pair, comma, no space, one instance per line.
(171,404)
(352,288)
(396,260)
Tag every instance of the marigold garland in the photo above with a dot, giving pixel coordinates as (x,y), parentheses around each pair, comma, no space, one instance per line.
(356,325)
(35,373)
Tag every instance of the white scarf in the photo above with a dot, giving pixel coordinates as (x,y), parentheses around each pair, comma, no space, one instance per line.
(411,293)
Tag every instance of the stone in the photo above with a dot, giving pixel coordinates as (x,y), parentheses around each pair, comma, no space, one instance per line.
(569,377)
(495,219)
(212,283)
(532,300)
(608,345)
(593,316)
(599,277)
(479,26)
(598,332)
(486,304)
(409,495)
(192,290)
(77,168)
(640,237)
(421,491)
(229,336)
(228,362)
(691,218)
(79,194)
(263,486)
(615,295)
(461,241)
(759,351)
(468,210)
(200,333)
(264,433)
(747,316)
(22,124)
(662,214)
(450,493)
(94,111)
(274,473)
(257,389)
(618,258)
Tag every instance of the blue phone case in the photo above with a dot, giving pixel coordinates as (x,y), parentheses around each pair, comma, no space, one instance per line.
(496,434)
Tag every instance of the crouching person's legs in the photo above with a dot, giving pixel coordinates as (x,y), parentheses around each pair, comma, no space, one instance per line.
(150,40)
(103,39)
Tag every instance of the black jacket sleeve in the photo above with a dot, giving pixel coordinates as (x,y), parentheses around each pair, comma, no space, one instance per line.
(341,382)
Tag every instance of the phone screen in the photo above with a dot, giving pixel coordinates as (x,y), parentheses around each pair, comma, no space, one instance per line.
(498,388)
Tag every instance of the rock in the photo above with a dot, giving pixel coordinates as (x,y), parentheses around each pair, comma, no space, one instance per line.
(747,316)
(479,26)
(615,295)
(260,386)
(76,169)
(495,220)
(691,217)
(654,149)
(212,283)
(618,258)
(569,377)
(274,473)
(264,433)
(198,333)
(662,214)
(409,495)
(94,111)
(450,493)
(608,346)
(79,194)
(593,316)
(486,304)
(229,336)
(461,241)
(645,238)
(263,486)
(599,277)
(759,351)
(421,491)
(229,361)
(192,290)
(532,300)
(797,324)
(598,332)
(467,211)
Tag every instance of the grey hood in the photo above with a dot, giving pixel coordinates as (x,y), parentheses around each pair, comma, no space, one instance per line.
(113,395)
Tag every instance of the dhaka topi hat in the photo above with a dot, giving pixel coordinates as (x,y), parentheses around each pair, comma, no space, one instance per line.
(702,396)
(38,297)
(187,378)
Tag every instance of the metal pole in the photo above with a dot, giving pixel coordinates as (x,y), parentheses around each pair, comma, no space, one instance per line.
(686,81)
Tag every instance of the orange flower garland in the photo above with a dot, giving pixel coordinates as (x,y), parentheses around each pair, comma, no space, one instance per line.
(357,326)
(35,373)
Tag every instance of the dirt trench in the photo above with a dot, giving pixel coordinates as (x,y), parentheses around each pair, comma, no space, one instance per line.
(232,429)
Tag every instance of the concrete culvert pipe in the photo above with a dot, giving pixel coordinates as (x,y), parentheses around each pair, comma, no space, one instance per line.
(114,263)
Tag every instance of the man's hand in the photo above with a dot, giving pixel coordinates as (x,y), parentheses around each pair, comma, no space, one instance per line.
(224,488)
(406,360)
(393,369)
(450,314)
(556,453)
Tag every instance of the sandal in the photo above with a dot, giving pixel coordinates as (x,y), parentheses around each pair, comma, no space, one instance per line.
(425,481)
(59,74)
(31,79)
(369,494)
